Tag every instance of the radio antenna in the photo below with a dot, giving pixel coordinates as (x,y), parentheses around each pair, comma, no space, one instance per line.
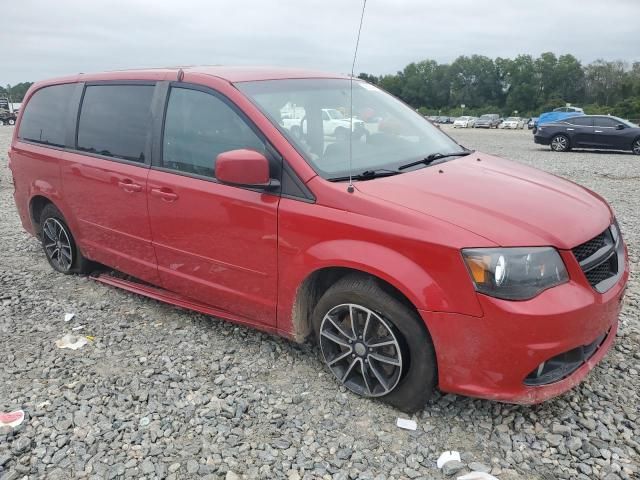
(350,188)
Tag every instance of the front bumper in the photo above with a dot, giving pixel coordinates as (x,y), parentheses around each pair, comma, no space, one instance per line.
(540,140)
(492,356)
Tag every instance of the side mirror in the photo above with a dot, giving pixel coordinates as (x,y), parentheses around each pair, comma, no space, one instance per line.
(246,168)
(620,127)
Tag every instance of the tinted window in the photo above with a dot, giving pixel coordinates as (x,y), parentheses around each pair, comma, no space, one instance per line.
(198,127)
(115,120)
(44,118)
(581,121)
(605,122)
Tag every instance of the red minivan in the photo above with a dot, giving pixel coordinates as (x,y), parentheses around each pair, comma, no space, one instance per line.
(302,205)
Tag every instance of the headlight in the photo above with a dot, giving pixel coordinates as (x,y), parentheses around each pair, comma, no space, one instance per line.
(514,273)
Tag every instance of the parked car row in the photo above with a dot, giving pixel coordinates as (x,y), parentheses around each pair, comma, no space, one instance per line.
(441,119)
(489,120)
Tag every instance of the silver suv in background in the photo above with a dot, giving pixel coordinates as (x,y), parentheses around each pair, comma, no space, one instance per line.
(488,120)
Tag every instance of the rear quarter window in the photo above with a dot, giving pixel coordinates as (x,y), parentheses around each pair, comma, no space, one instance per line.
(580,121)
(44,117)
(115,121)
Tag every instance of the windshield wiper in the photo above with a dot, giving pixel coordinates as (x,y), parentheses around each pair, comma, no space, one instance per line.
(367,175)
(435,156)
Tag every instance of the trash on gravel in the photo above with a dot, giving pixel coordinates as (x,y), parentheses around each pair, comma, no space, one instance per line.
(448,456)
(69,316)
(406,424)
(477,476)
(78,327)
(11,419)
(72,342)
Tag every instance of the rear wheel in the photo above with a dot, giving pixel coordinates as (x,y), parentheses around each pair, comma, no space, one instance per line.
(12,121)
(374,344)
(560,143)
(636,146)
(59,245)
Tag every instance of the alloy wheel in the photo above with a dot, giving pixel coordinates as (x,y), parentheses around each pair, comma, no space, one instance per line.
(636,147)
(57,244)
(361,349)
(559,143)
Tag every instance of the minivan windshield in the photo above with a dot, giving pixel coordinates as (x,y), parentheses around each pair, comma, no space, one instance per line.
(315,116)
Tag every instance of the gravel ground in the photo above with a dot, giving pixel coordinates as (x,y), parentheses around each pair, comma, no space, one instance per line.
(165,393)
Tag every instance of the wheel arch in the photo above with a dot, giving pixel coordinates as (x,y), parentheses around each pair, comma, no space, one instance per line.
(318,282)
(38,201)
(36,206)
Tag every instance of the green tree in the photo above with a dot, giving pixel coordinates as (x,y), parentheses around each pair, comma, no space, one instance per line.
(519,83)
(603,81)
(570,81)
(475,81)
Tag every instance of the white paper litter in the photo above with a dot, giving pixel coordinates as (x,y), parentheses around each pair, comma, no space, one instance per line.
(406,424)
(68,316)
(79,327)
(11,419)
(477,476)
(72,342)
(448,456)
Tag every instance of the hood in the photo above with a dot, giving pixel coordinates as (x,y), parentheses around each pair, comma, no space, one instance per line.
(503,201)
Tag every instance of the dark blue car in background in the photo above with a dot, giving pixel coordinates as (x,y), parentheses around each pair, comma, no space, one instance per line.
(589,131)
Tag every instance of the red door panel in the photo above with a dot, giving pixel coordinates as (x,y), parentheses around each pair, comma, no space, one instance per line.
(108,200)
(216,243)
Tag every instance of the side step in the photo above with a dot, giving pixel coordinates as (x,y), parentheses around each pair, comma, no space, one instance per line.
(177,300)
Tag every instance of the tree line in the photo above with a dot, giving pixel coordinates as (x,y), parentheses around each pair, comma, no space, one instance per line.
(15,93)
(524,84)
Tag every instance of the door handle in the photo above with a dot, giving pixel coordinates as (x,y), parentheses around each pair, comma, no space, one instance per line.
(128,186)
(165,194)
(598,131)
(570,129)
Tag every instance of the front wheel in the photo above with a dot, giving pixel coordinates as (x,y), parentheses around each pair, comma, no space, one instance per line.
(374,344)
(12,121)
(560,143)
(59,245)
(636,146)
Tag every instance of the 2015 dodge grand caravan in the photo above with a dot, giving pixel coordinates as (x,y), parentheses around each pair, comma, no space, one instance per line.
(412,261)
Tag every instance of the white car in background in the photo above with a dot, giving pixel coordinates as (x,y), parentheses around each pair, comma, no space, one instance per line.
(513,123)
(332,121)
(464,122)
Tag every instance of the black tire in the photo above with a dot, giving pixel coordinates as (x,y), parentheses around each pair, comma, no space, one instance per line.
(560,143)
(417,376)
(12,121)
(635,146)
(69,259)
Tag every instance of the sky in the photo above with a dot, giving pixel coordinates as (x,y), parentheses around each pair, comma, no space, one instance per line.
(47,38)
